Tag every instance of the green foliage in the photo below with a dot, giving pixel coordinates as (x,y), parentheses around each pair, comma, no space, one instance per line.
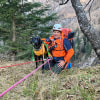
(31,89)
(78,42)
(86,94)
(81,47)
(7,97)
(76,47)
(73,84)
(54,90)
(88,49)
(21,20)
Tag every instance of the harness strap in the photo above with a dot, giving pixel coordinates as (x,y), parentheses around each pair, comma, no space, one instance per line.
(46,45)
(33,55)
(60,50)
(43,52)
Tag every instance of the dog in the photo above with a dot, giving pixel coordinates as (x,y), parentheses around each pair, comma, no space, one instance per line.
(39,50)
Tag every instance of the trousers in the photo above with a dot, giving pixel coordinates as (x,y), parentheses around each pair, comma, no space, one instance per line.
(54,67)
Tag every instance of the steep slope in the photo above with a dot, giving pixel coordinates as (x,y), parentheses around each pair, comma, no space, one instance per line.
(73,84)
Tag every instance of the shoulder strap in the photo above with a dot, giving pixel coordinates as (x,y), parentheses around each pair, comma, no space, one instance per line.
(33,55)
(46,45)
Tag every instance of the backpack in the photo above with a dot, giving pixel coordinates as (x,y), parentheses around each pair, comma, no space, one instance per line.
(67,33)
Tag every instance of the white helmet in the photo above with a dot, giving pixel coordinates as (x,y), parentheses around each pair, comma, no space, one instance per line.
(57,27)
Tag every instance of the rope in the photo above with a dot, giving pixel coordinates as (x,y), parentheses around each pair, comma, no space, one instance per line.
(23,79)
(50,68)
(20,64)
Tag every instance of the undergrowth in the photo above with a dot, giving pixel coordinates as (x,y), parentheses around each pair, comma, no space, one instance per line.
(73,84)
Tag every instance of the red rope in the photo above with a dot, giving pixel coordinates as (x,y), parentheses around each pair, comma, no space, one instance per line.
(22,79)
(20,64)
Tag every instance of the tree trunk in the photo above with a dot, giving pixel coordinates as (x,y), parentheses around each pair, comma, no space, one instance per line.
(13,54)
(14,30)
(86,27)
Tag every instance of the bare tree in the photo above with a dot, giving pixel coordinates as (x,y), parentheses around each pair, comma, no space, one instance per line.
(85,25)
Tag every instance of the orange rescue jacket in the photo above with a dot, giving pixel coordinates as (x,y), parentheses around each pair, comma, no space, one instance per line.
(59,50)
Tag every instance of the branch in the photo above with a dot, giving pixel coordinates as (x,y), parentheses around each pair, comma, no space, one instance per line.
(4,30)
(64,3)
(90,9)
(87,4)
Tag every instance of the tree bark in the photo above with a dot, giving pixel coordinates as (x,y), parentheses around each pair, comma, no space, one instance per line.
(13,54)
(86,27)
(14,30)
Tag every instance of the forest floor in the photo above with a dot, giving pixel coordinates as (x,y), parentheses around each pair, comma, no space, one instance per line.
(73,84)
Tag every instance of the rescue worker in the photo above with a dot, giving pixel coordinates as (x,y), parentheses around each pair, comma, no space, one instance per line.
(61,50)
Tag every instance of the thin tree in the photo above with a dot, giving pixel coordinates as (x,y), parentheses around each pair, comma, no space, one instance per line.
(86,27)
(88,30)
(20,20)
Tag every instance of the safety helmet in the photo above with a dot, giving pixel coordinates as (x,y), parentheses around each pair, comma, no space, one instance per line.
(57,27)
